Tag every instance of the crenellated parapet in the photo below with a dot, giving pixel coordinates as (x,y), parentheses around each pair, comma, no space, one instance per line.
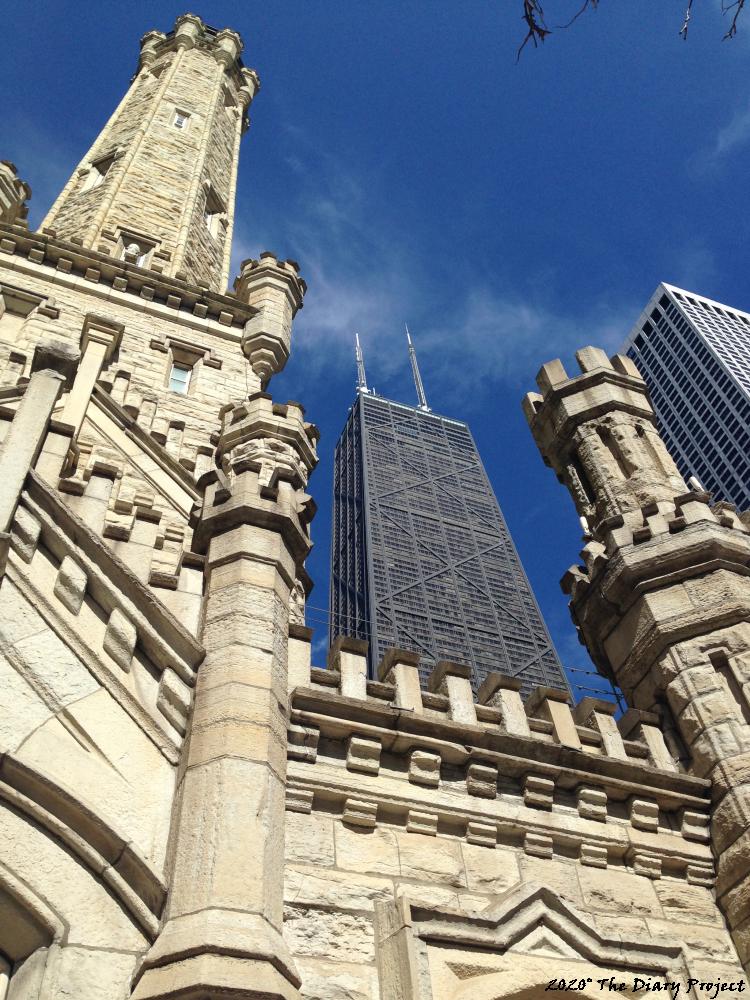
(598,432)
(537,777)
(264,455)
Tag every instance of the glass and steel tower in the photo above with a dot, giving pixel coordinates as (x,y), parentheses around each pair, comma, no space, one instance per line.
(421,556)
(694,355)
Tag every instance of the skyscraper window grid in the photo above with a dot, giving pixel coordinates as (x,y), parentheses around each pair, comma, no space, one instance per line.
(694,354)
(421,555)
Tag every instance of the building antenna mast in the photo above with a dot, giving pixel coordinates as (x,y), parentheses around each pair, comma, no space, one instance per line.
(361,376)
(415,371)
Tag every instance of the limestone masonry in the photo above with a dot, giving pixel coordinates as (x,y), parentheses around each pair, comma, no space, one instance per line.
(188,808)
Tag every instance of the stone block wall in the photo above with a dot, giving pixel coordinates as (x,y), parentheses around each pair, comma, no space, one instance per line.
(386,804)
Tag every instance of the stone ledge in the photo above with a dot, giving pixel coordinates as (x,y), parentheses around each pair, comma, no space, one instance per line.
(400,731)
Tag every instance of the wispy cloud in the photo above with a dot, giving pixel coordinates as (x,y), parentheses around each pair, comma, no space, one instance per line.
(736,133)
(494,338)
(727,140)
(362,279)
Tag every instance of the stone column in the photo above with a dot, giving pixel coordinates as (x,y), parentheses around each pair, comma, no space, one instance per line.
(51,369)
(662,600)
(99,339)
(222,932)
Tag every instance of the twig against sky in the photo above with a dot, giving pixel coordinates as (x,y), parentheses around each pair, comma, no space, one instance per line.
(537,28)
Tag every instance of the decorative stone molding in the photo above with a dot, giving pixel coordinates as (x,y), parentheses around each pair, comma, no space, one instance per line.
(644,815)
(299,800)
(592,804)
(186,351)
(482,834)
(538,792)
(363,755)
(424,768)
(98,267)
(422,822)
(538,845)
(360,813)
(481,780)
(516,946)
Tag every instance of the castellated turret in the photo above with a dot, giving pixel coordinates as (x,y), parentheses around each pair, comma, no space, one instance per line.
(662,598)
(157,188)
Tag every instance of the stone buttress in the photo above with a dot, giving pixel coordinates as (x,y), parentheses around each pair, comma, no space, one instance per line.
(662,598)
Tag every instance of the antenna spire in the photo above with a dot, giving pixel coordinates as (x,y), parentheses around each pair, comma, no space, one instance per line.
(422,399)
(361,376)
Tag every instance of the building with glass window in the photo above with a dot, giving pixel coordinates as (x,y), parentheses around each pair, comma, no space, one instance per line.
(421,555)
(694,354)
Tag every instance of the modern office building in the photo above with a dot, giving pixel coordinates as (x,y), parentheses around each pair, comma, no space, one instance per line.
(422,558)
(694,355)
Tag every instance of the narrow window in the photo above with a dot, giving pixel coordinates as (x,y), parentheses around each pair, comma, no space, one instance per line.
(180,119)
(179,378)
(97,172)
(213,213)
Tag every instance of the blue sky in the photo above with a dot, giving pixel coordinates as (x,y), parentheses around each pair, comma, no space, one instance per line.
(510,213)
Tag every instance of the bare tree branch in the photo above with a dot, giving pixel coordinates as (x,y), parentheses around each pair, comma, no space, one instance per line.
(586,4)
(686,22)
(533,15)
(537,30)
(737,6)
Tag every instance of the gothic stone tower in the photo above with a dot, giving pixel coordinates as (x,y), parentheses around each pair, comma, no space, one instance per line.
(153,519)
(157,187)
(662,600)
(190,810)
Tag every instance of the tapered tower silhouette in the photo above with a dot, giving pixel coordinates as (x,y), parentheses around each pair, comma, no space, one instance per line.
(421,556)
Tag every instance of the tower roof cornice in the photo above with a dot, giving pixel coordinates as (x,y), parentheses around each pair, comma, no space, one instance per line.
(190,31)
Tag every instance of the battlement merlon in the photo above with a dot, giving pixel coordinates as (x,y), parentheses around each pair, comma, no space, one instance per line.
(598,432)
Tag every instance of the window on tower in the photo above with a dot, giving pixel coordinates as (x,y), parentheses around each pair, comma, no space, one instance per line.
(97,172)
(214,213)
(181,119)
(134,249)
(179,377)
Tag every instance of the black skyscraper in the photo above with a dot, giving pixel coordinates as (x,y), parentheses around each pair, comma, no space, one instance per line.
(421,556)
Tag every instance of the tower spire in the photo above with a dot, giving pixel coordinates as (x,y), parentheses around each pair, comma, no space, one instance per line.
(422,399)
(361,376)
